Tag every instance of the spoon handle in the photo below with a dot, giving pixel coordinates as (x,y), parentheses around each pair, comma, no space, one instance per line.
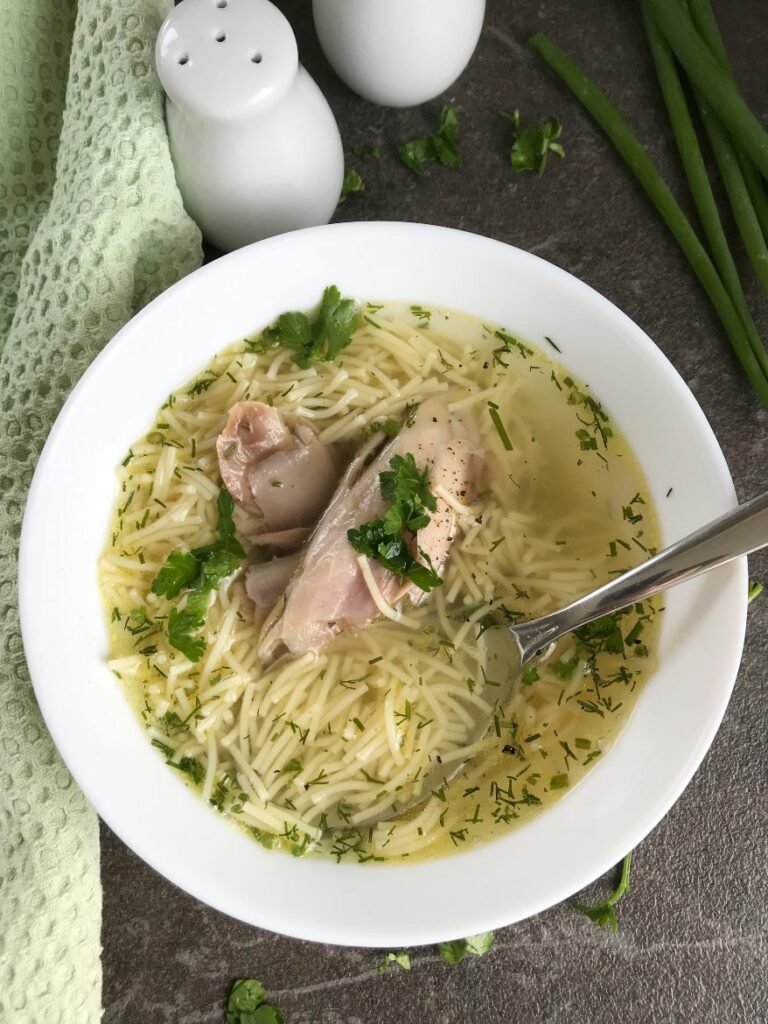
(736,533)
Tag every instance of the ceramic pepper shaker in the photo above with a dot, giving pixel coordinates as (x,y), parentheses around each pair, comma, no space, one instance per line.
(254,143)
(398,52)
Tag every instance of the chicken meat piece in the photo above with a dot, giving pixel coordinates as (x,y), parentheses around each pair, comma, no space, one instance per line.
(266,581)
(328,592)
(280,471)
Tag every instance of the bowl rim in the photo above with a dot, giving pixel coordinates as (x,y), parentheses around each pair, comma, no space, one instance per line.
(471,919)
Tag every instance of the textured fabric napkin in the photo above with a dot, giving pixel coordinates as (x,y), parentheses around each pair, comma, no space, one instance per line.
(91,228)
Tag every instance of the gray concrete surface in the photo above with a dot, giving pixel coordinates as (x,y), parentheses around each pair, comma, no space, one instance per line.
(692,941)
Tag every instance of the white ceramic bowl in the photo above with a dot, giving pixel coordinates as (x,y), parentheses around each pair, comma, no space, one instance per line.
(98,734)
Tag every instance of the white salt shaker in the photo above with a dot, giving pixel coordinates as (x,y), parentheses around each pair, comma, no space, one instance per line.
(254,143)
(398,52)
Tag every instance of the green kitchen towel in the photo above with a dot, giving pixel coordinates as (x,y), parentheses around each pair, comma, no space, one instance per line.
(91,228)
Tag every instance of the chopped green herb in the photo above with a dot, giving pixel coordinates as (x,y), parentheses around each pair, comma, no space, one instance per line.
(532,144)
(318,340)
(755,590)
(246,1005)
(421,314)
(530,675)
(267,839)
(167,750)
(565,669)
(389,427)
(602,634)
(367,152)
(476,945)
(387,540)
(559,782)
(493,411)
(352,183)
(441,147)
(603,913)
(201,570)
(402,959)
(181,569)
(508,345)
(190,766)
(182,627)
(226,525)
(137,621)
(201,385)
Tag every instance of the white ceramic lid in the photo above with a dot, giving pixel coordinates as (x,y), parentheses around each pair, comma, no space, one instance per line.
(226,59)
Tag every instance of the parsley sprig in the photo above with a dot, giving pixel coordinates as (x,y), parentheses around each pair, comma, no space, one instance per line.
(388,540)
(441,147)
(314,341)
(532,144)
(603,914)
(199,572)
(246,1004)
(456,950)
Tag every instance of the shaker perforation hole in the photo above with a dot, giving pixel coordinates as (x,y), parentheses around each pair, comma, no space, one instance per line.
(183,58)
(220,36)
(256,58)
(221,4)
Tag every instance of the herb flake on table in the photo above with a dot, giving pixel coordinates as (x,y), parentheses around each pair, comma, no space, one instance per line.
(246,1004)
(456,950)
(367,152)
(604,914)
(401,958)
(441,147)
(533,143)
(755,590)
(352,183)
(388,540)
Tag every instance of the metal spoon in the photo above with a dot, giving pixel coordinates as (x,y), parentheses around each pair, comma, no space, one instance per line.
(732,535)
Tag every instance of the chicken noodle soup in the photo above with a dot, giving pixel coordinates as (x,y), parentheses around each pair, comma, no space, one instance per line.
(303,654)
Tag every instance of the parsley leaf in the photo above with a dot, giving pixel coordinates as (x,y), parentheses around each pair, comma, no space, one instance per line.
(533,143)
(202,571)
(182,625)
(246,1005)
(352,183)
(409,491)
(476,945)
(402,959)
(319,340)
(388,540)
(603,913)
(226,524)
(180,570)
(216,566)
(441,147)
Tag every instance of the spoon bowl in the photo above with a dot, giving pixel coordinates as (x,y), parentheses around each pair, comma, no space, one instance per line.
(506,648)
